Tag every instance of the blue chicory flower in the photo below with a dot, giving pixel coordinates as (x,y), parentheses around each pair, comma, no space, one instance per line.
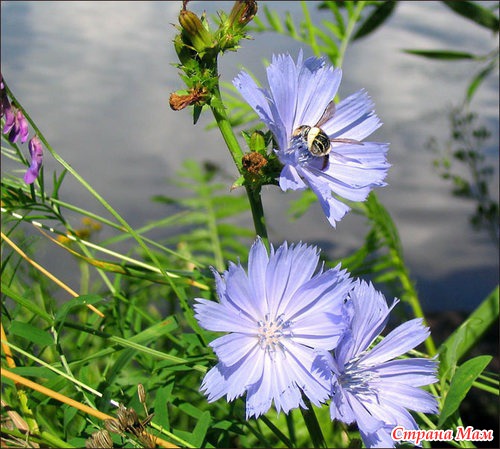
(274,315)
(36,153)
(300,96)
(369,386)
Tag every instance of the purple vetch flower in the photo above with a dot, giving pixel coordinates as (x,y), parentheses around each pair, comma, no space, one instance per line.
(4,100)
(36,153)
(274,316)
(16,125)
(369,386)
(318,142)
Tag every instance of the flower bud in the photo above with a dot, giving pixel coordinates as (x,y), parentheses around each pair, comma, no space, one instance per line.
(36,153)
(199,37)
(243,12)
(194,96)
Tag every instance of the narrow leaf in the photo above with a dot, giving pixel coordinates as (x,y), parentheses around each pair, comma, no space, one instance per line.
(475,12)
(26,301)
(461,383)
(469,333)
(31,333)
(448,55)
(379,15)
(478,79)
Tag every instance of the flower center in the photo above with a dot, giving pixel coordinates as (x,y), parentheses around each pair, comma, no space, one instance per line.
(299,151)
(271,333)
(357,380)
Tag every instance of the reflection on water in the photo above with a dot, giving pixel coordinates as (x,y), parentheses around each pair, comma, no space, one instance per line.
(96,76)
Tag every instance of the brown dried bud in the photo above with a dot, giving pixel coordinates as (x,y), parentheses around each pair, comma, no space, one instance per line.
(113,425)
(99,439)
(253,162)
(141,392)
(243,12)
(195,96)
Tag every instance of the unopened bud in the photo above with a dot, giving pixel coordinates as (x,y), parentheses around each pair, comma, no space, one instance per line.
(243,12)
(199,37)
(141,392)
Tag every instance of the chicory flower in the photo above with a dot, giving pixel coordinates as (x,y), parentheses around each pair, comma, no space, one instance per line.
(274,316)
(370,386)
(299,110)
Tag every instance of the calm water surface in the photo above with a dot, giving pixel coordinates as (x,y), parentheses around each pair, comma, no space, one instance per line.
(96,77)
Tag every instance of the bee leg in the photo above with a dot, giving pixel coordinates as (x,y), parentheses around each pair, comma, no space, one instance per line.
(325,162)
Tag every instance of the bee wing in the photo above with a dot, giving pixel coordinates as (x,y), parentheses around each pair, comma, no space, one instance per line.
(327,114)
(342,140)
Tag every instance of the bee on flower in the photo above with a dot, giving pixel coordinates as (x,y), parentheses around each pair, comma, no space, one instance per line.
(320,144)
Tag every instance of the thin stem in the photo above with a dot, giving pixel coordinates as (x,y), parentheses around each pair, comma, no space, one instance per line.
(352,20)
(47,273)
(236,152)
(71,402)
(312,424)
(98,197)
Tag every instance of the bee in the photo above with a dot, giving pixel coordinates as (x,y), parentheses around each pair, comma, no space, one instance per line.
(318,142)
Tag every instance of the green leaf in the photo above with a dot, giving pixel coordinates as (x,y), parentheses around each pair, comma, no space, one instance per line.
(201,429)
(448,55)
(26,301)
(273,19)
(469,333)
(79,301)
(461,383)
(478,79)
(380,14)
(475,12)
(31,333)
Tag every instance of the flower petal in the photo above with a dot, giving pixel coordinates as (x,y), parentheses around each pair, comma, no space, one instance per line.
(290,179)
(217,317)
(318,84)
(333,208)
(288,269)
(417,372)
(405,337)
(354,118)
(282,77)
(231,348)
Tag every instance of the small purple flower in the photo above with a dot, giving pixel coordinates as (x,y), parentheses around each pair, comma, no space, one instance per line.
(369,386)
(36,153)
(318,142)
(16,125)
(274,315)
(4,100)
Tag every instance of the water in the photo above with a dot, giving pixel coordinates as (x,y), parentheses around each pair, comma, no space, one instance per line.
(96,77)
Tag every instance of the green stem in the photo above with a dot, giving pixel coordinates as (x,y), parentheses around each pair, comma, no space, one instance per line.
(234,148)
(352,20)
(312,424)
(180,294)
(259,221)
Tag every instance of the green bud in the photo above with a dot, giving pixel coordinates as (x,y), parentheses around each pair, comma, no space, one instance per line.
(199,37)
(257,141)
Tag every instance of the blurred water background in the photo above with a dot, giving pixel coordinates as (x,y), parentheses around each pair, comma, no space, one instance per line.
(96,77)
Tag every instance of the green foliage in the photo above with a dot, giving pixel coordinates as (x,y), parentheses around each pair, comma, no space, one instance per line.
(335,34)
(210,234)
(465,150)
(143,288)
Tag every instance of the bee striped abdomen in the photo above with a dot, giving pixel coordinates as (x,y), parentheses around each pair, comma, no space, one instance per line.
(318,142)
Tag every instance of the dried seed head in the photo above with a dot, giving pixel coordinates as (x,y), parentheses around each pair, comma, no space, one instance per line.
(113,425)
(141,392)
